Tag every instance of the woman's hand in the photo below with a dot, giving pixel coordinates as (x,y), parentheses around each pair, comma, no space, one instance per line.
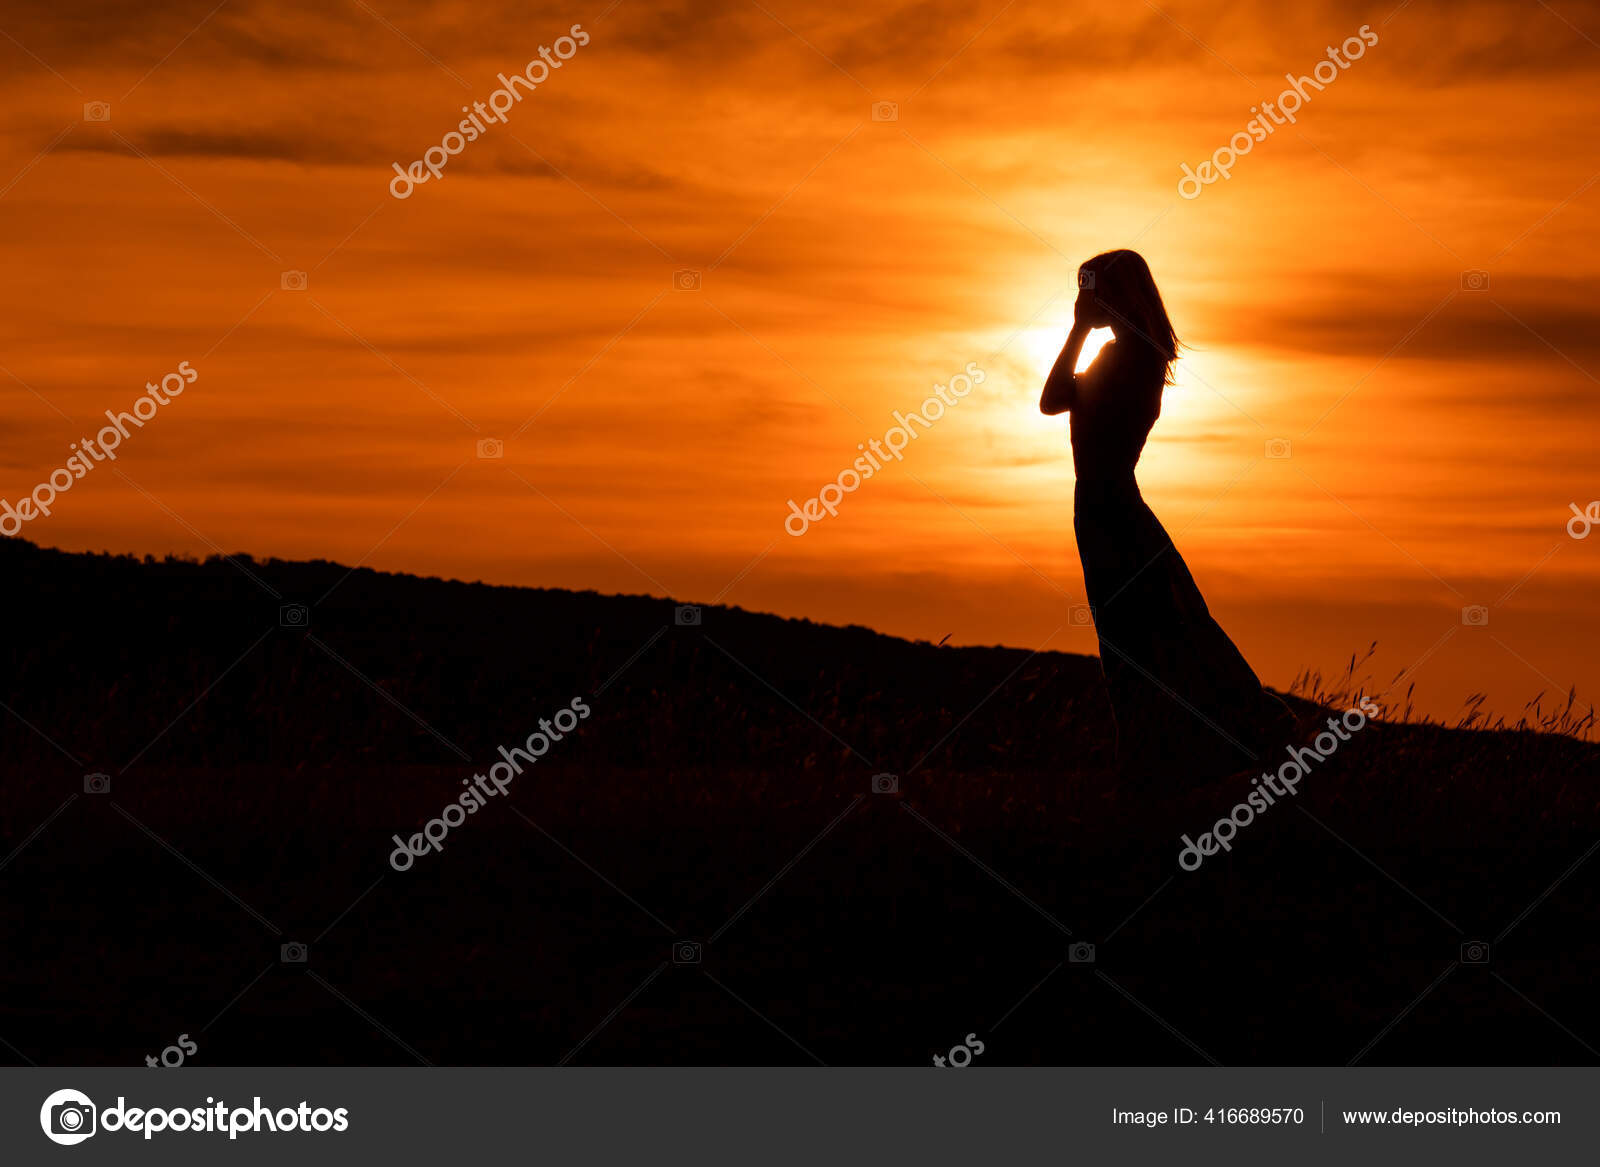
(1087,310)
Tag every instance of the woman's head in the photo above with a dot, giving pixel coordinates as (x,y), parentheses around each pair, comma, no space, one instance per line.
(1117,291)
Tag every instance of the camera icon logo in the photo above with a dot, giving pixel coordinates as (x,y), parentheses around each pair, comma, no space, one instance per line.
(1475,616)
(1277,447)
(293,281)
(67,1117)
(885,111)
(1082,615)
(686,280)
(687,616)
(491,448)
(1081,953)
(1475,952)
(293,953)
(686,952)
(294,616)
(886,784)
(97,111)
(1475,281)
(97,783)
(1086,281)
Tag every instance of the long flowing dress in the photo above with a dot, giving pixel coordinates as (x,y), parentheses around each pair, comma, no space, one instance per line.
(1188,706)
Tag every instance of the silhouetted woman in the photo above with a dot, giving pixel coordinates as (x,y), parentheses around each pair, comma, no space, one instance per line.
(1187,704)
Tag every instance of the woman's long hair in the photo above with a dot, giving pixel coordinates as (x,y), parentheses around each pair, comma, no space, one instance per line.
(1121,283)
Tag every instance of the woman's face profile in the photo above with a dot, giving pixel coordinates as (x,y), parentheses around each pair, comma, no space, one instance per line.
(1087,308)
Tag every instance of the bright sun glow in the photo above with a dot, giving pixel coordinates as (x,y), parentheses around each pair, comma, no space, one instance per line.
(1092,344)
(1039,347)
(1043,345)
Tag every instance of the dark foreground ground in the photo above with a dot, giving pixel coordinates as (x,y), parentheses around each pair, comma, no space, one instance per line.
(703,872)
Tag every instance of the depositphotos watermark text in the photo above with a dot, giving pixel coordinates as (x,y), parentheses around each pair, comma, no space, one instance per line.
(90,452)
(876,454)
(1270,787)
(484,114)
(481,788)
(1289,103)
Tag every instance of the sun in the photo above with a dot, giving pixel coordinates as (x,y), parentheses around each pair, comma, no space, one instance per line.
(1041,347)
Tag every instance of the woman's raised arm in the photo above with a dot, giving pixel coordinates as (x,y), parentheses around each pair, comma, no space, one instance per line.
(1059,387)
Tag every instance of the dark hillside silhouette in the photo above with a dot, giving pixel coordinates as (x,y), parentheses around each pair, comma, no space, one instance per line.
(770,841)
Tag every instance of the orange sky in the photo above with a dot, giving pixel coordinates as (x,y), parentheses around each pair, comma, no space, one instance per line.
(653,436)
